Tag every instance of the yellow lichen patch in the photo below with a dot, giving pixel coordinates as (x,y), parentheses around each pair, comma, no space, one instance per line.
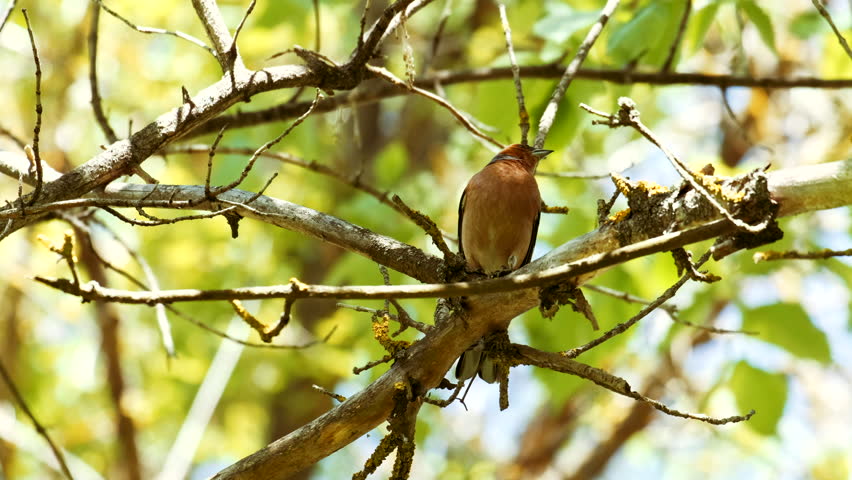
(381,329)
(622,184)
(651,188)
(619,216)
(715,185)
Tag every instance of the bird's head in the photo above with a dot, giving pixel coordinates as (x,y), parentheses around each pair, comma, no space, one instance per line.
(526,154)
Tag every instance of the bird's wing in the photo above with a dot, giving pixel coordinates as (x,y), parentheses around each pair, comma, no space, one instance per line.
(534,234)
(461,218)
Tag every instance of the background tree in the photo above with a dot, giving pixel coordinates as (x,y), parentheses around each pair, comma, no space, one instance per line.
(135,124)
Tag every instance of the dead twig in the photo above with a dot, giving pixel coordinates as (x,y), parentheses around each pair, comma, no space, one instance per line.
(60,458)
(771,255)
(549,114)
(516,76)
(36,158)
(822,11)
(153,30)
(393,79)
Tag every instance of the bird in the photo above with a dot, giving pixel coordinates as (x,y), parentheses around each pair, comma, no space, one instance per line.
(498,222)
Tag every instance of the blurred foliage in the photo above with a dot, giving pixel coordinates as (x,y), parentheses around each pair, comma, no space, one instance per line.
(795,373)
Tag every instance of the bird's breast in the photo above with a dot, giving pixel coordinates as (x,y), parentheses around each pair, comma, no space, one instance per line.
(502,203)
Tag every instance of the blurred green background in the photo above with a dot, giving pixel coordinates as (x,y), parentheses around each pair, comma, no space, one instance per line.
(796,373)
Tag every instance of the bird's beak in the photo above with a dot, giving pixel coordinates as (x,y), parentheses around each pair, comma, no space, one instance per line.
(540,153)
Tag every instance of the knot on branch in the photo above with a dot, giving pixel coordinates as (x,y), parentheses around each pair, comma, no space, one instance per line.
(331,76)
(554,296)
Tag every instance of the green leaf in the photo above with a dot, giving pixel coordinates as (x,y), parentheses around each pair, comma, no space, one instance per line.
(762,391)
(788,326)
(807,24)
(639,35)
(761,21)
(699,24)
(562,21)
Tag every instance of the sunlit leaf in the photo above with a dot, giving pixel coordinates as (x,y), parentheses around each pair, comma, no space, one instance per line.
(699,24)
(761,21)
(762,391)
(788,326)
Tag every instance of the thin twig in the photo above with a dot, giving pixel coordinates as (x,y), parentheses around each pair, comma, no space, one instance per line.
(436,39)
(37,129)
(549,114)
(428,226)
(14,138)
(156,221)
(208,192)
(822,11)
(670,310)
(233,55)
(363,24)
(680,29)
(622,327)
(523,116)
(153,30)
(796,255)
(60,458)
(629,115)
(560,363)
(6,13)
(405,319)
(390,77)
(96,102)
(149,273)
(336,396)
(573,175)
(266,146)
(514,282)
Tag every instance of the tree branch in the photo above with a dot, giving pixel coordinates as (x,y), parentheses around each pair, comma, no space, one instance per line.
(549,113)
(374,91)
(217,31)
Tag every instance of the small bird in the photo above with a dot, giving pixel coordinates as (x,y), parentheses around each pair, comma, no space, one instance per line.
(498,223)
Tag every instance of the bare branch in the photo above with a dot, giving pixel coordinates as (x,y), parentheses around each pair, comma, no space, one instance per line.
(670,310)
(390,77)
(20,143)
(622,327)
(154,30)
(770,255)
(822,11)
(217,31)
(266,146)
(549,114)
(516,76)
(36,160)
(60,458)
(367,48)
(96,102)
(560,363)
(377,92)
(6,13)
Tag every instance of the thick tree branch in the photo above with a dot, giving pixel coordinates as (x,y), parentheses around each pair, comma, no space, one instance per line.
(122,156)
(425,363)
